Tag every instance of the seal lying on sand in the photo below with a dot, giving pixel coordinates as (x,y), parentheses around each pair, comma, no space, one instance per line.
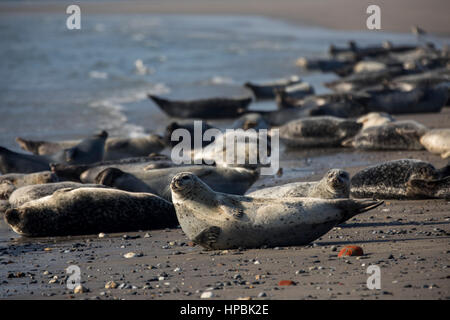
(295,91)
(89,150)
(321,131)
(33,192)
(335,184)
(213,108)
(423,188)
(222,221)
(374,119)
(437,141)
(12,181)
(90,211)
(266,90)
(115,148)
(74,172)
(399,135)
(227,180)
(389,180)
(13,162)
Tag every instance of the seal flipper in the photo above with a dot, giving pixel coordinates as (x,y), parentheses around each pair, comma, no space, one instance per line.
(208,237)
(352,207)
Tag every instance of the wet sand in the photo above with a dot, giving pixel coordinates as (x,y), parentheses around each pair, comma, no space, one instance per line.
(408,240)
(397,15)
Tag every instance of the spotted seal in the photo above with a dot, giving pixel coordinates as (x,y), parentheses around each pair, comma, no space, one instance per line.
(399,135)
(437,141)
(90,211)
(389,180)
(222,221)
(321,131)
(14,162)
(334,185)
(12,181)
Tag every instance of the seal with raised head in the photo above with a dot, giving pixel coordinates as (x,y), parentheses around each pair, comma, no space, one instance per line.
(266,90)
(222,221)
(389,180)
(399,135)
(437,141)
(322,131)
(334,185)
(32,192)
(89,150)
(90,211)
(220,179)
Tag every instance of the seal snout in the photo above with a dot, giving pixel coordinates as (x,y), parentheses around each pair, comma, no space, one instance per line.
(12,216)
(181,180)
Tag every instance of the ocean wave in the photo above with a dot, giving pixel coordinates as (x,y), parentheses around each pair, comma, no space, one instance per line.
(115,121)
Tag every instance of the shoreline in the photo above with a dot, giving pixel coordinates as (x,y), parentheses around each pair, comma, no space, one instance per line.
(396,16)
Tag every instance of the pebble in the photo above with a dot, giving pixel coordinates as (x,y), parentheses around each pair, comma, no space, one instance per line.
(206,295)
(80,289)
(111,285)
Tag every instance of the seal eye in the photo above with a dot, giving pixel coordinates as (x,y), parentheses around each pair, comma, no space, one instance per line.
(185,178)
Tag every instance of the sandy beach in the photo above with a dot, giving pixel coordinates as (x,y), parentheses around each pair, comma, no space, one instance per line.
(397,15)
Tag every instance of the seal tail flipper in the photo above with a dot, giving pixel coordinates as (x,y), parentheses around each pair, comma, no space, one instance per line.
(439,188)
(208,237)
(352,207)
(29,145)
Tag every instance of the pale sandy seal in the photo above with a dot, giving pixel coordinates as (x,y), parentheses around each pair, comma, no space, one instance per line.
(228,180)
(437,141)
(399,135)
(334,185)
(389,180)
(90,211)
(14,162)
(323,131)
(222,221)
(12,181)
(374,119)
(32,192)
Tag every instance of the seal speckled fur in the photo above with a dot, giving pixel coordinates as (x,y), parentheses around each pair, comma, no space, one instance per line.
(222,221)
(90,211)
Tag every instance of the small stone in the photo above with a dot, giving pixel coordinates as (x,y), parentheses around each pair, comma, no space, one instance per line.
(111,285)
(262,295)
(351,251)
(147,235)
(207,295)
(286,283)
(132,255)
(101,235)
(80,289)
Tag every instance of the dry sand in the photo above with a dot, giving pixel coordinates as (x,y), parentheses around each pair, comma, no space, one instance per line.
(408,240)
(396,15)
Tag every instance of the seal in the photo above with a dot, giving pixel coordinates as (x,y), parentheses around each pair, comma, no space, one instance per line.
(228,180)
(89,172)
(295,91)
(121,148)
(89,150)
(389,180)
(321,131)
(115,147)
(399,135)
(423,188)
(90,211)
(374,119)
(37,191)
(14,162)
(190,127)
(12,181)
(221,221)
(334,185)
(4,205)
(266,90)
(250,121)
(437,141)
(213,108)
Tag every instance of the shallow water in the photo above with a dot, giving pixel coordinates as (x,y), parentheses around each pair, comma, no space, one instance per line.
(63,84)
